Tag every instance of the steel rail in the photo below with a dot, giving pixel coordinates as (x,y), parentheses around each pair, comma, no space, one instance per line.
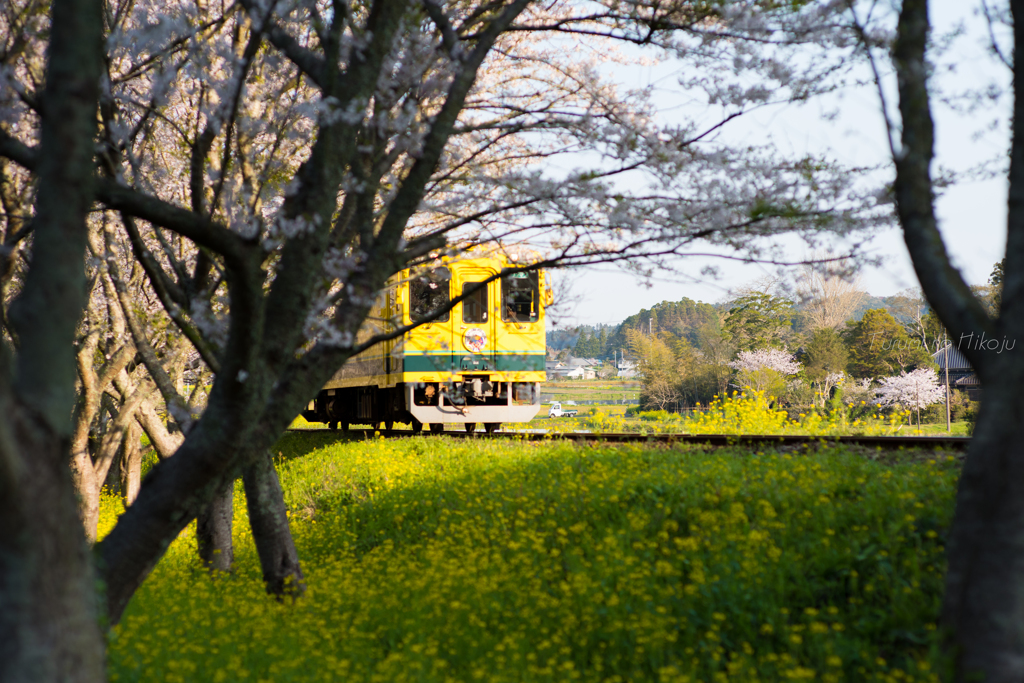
(882,442)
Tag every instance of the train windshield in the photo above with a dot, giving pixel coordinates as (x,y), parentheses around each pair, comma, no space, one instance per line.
(474,306)
(429,292)
(520,297)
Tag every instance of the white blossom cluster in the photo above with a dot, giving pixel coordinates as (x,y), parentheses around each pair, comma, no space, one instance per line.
(777,360)
(915,389)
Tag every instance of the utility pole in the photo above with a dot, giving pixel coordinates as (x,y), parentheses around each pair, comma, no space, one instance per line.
(945,363)
(917,402)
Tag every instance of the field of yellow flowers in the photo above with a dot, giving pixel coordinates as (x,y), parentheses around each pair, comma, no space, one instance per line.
(433,559)
(739,413)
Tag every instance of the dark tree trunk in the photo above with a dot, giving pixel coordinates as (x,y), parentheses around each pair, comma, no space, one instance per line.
(268,516)
(49,629)
(213,531)
(984,605)
(983,610)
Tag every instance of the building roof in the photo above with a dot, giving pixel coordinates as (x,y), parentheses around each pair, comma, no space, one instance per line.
(957,360)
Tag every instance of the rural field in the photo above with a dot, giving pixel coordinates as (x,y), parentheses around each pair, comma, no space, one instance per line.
(437,559)
(609,391)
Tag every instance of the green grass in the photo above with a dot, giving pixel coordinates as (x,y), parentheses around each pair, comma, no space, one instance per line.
(591,390)
(962,428)
(431,559)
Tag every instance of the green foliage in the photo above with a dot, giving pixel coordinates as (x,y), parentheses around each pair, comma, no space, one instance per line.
(591,342)
(879,347)
(825,354)
(932,331)
(758,320)
(584,347)
(683,318)
(432,559)
(835,404)
(655,415)
(961,408)
(673,373)
(995,281)
(657,369)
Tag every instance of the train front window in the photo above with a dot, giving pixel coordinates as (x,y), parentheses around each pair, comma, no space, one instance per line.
(429,292)
(474,306)
(520,297)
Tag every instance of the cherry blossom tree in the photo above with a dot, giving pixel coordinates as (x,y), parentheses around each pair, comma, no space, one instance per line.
(271,165)
(910,390)
(765,370)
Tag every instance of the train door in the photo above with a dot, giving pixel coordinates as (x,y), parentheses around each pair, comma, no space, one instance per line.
(430,349)
(474,327)
(522,345)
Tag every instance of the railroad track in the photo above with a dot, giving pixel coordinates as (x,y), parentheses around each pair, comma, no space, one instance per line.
(884,442)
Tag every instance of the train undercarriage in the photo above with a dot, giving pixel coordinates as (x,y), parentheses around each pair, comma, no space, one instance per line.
(471,400)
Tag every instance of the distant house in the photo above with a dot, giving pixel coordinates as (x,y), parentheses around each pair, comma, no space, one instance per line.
(580,368)
(581,372)
(626,369)
(961,374)
(556,369)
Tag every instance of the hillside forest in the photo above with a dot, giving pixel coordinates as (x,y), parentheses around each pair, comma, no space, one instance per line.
(820,343)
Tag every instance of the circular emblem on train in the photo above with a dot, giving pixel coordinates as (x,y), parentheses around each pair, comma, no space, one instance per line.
(475,339)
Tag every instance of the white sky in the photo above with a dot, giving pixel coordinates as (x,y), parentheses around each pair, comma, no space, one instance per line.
(972,215)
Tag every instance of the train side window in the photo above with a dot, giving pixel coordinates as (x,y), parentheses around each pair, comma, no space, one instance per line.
(520,297)
(474,307)
(429,292)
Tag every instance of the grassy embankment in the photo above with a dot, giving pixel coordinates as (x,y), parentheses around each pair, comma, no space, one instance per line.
(431,559)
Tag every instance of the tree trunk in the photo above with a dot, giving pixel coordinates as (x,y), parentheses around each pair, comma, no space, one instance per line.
(984,606)
(983,609)
(91,470)
(163,440)
(49,630)
(131,464)
(268,516)
(88,492)
(213,531)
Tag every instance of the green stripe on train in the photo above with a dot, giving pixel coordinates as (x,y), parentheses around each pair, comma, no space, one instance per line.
(525,362)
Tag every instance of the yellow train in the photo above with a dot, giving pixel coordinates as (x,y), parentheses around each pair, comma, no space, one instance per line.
(481,363)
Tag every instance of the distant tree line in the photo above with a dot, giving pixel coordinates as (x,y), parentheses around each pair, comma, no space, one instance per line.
(686,351)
